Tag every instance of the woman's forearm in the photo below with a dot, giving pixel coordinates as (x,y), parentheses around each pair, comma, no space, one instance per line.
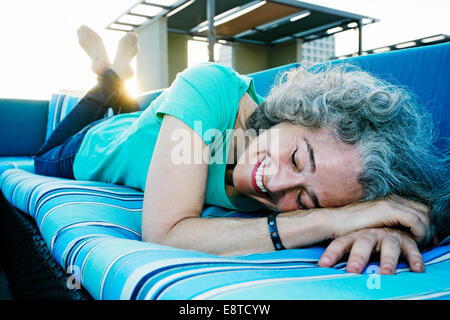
(231,236)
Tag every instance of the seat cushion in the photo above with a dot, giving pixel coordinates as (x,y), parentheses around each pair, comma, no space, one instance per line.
(94,229)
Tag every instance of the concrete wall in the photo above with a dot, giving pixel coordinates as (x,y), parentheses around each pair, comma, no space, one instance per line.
(249,58)
(178,54)
(161,56)
(285,53)
(152,59)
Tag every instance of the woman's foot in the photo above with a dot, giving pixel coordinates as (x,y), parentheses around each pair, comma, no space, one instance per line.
(126,51)
(92,43)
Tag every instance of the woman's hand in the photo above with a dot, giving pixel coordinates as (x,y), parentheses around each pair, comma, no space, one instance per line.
(390,243)
(392,211)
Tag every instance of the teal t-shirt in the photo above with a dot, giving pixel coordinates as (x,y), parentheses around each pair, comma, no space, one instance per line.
(206,98)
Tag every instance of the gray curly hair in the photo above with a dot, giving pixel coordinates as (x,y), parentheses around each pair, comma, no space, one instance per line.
(392,132)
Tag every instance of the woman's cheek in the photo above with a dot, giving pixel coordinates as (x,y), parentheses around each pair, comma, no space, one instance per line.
(239,178)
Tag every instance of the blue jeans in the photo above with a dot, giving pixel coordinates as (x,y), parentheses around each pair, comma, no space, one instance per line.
(55,158)
(58,161)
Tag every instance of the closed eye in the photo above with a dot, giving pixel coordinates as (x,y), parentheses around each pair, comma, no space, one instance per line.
(293,158)
(299,201)
(299,196)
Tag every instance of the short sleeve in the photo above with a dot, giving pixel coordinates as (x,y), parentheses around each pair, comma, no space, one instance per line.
(203,97)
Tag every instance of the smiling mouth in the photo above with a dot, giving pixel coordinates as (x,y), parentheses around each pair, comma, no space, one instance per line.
(257,178)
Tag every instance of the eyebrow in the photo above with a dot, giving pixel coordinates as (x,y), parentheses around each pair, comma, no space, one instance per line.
(312,160)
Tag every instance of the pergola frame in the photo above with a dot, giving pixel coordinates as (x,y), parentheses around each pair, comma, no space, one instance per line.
(262,34)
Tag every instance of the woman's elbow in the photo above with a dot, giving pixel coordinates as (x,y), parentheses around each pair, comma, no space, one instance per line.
(154,236)
(168,236)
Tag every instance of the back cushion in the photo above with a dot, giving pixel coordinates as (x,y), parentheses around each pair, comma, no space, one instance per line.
(265,79)
(22,126)
(424,70)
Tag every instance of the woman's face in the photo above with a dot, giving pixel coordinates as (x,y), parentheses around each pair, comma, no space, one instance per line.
(288,168)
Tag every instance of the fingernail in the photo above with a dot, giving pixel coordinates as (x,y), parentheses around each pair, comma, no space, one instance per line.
(419,266)
(354,266)
(325,260)
(387,270)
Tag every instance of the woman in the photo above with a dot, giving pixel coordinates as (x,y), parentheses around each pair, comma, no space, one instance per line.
(321,157)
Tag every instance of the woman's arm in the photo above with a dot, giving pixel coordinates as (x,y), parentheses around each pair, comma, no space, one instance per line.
(392,211)
(174,199)
(231,236)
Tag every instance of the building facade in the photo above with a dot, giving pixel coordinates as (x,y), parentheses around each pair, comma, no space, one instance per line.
(318,51)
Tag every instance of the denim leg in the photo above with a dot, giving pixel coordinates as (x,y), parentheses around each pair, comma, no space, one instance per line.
(58,161)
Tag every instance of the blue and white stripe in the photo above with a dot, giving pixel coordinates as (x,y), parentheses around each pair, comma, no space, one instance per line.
(95,228)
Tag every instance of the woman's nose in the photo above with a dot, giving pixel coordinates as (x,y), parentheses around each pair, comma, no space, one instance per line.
(283,180)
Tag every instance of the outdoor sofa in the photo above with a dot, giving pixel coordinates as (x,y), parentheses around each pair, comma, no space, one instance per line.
(66,239)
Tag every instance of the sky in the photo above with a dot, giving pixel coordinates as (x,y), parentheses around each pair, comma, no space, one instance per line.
(40,55)
(400,21)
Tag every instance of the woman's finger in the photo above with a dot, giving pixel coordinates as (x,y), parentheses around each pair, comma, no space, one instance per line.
(413,256)
(360,253)
(390,252)
(335,251)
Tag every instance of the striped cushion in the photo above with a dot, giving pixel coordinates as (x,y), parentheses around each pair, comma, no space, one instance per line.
(93,229)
